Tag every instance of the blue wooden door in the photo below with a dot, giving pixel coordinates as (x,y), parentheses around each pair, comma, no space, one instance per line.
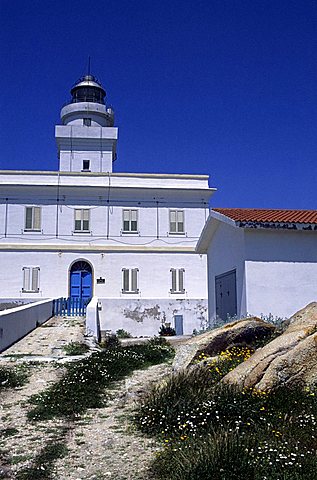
(85,285)
(179,324)
(80,284)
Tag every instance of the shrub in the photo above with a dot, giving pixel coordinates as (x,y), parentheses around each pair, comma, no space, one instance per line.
(121,333)
(76,348)
(167,331)
(12,377)
(110,341)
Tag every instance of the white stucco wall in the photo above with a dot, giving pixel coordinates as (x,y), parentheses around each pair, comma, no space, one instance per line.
(17,322)
(226,252)
(143,317)
(281,271)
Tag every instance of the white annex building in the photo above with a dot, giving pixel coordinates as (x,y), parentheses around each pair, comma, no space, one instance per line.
(126,241)
(260,261)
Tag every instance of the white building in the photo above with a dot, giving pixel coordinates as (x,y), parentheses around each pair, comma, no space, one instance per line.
(260,261)
(128,240)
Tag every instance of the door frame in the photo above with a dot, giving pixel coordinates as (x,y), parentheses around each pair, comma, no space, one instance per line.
(70,272)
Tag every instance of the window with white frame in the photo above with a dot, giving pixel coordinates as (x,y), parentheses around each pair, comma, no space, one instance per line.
(82,220)
(177,221)
(32,219)
(31,279)
(130,280)
(177,280)
(130,221)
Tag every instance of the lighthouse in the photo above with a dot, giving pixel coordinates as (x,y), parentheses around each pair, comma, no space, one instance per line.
(86,139)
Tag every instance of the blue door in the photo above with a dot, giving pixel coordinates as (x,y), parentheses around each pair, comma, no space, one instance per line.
(81,280)
(178,319)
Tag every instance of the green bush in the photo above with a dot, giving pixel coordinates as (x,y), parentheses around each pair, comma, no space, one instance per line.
(167,331)
(76,348)
(121,333)
(12,377)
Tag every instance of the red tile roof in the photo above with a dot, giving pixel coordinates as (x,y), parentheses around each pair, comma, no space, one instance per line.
(257,215)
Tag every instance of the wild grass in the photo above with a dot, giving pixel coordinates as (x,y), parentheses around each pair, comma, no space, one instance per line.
(12,377)
(42,466)
(76,348)
(84,382)
(211,430)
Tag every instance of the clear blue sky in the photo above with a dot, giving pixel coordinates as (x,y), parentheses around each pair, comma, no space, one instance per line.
(222,87)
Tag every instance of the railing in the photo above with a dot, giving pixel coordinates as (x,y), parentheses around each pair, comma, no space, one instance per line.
(70,307)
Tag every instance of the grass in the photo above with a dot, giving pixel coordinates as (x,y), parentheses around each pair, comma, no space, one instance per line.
(76,348)
(42,467)
(84,383)
(12,377)
(211,430)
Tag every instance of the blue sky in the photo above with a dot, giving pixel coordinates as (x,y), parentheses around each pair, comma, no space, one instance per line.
(222,87)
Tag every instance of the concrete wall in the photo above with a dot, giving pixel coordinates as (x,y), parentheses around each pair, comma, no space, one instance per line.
(144,317)
(226,252)
(17,322)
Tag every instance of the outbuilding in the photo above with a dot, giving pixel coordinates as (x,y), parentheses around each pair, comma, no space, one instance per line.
(259,261)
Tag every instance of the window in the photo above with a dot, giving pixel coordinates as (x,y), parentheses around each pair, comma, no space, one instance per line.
(31,278)
(130,280)
(177,221)
(86,166)
(33,218)
(87,122)
(130,221)
(177,280)
(82,220)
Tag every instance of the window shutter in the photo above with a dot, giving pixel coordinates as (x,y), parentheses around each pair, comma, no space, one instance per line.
(134,279)
(26,279)
(28,218)
(134,220)
(181,280)
(35,279)
(173,280)
(77,219)
(125,280)
(126,220)
(85,217)
(173,221)
(180,221)
(37,218)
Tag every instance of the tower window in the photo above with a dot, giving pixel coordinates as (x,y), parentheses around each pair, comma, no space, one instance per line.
(32,219)
(87,122)
(86,166)
(177,221)
(130,221)
(82,220)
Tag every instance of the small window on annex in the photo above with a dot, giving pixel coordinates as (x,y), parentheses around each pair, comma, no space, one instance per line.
(177,221)
(32,219)
(177,280)
(82,220)
(130,280)
(86,166)
(31,279)
(130,221)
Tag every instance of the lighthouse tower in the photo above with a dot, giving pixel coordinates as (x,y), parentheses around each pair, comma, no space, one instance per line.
(86,139)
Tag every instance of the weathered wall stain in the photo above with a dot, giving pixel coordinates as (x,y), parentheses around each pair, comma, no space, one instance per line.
(140,313)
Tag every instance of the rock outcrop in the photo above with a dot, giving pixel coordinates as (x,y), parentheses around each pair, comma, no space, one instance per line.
(290,359)
(242,332)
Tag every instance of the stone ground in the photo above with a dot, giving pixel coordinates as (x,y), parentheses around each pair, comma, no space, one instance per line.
(101,443)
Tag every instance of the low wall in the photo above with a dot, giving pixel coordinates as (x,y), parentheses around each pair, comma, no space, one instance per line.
(92,318)
(143,317)
(17,322)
